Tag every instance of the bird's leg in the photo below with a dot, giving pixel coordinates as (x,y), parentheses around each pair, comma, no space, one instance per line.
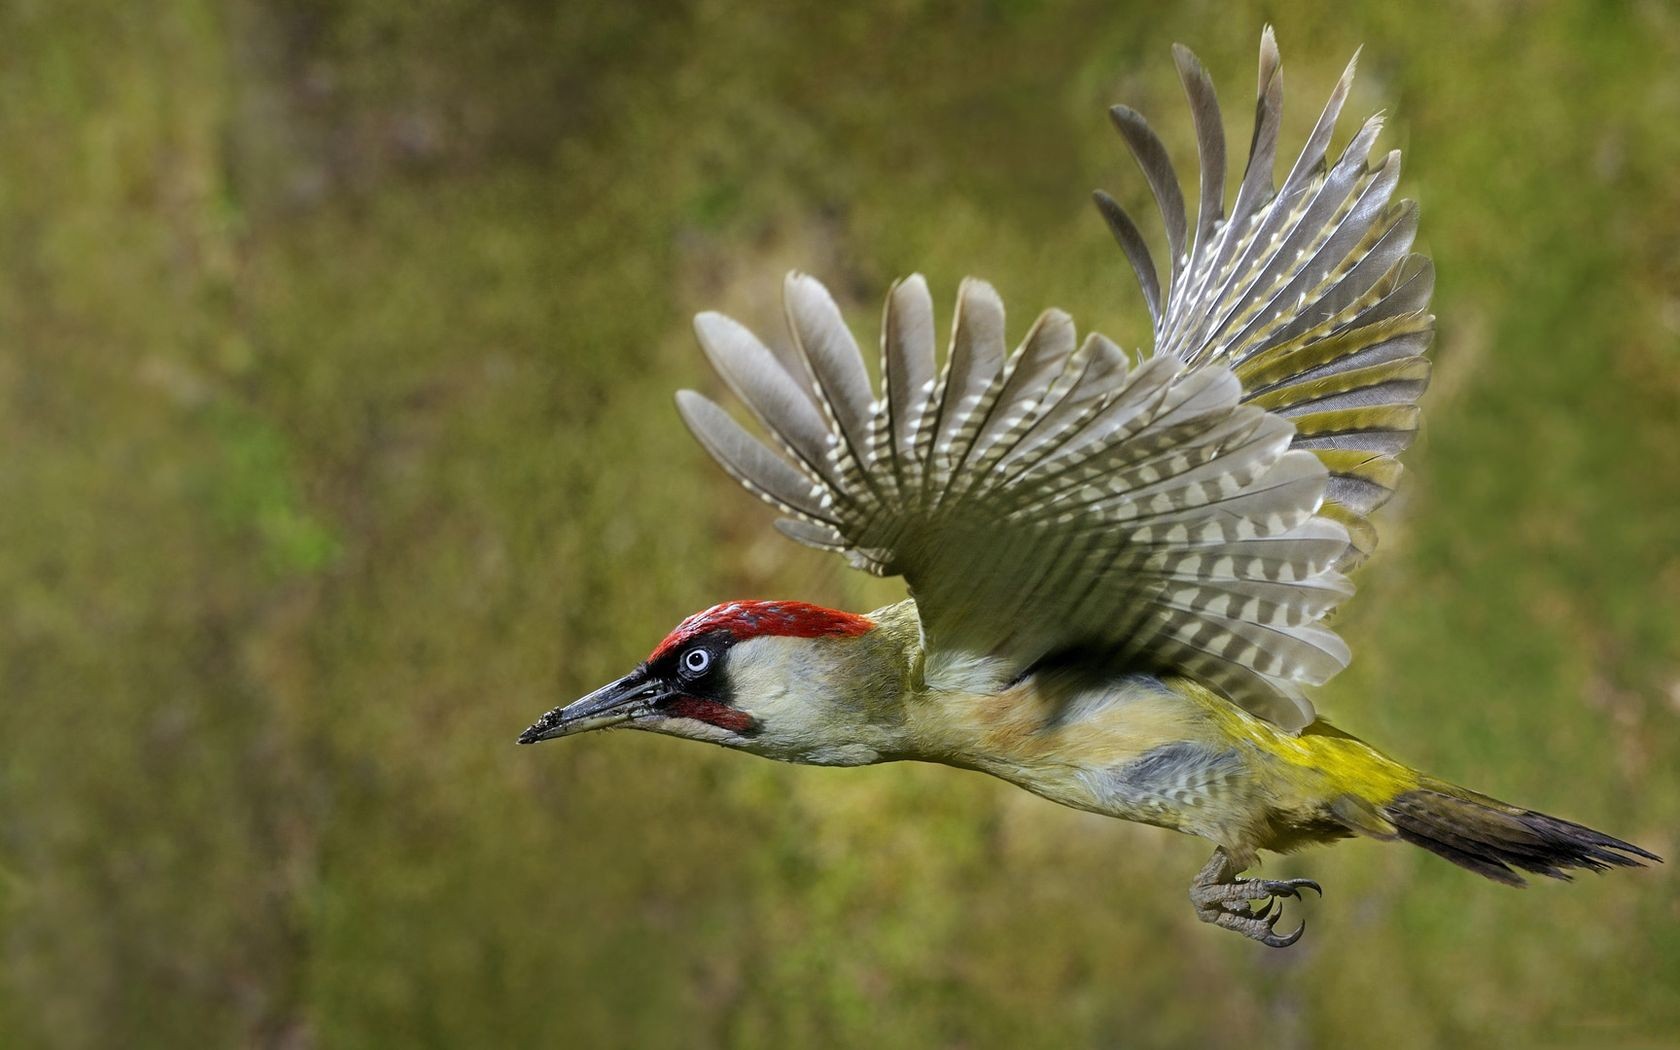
(1224,900)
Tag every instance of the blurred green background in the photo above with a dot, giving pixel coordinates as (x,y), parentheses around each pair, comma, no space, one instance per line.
(336,348)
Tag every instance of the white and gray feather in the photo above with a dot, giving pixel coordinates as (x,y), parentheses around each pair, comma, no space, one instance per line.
(1309,292)
(1186,512)
(1058,497)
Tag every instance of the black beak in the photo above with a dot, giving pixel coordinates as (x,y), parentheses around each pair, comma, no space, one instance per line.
(610,705)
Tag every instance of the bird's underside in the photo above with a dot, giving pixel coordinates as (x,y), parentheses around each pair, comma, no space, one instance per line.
(1122,565)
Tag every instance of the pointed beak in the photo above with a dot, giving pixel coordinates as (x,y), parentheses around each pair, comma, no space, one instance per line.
(610,705)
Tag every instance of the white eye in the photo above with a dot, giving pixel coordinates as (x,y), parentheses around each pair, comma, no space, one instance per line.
(695,661)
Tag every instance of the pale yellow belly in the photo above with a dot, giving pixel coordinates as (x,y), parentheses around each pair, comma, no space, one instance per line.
(1130,747)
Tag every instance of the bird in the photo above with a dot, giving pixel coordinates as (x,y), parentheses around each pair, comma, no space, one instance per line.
(1121,565)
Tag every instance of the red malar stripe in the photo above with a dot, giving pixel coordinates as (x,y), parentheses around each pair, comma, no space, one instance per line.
(721,715)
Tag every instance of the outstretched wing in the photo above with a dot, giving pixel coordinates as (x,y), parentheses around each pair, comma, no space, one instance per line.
(1058,498)
(1308,292)
(1187,512)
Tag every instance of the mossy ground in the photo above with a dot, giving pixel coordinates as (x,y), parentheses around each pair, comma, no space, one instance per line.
(336,350)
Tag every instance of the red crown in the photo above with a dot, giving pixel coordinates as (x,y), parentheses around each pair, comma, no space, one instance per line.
(752,619)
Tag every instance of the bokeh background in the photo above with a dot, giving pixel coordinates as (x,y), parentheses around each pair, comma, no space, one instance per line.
(337,342)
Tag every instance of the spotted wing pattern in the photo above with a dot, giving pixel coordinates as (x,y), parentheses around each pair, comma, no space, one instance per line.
(1309,291)
(1060,497)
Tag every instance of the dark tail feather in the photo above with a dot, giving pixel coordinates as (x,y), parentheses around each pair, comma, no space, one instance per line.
(1490,838)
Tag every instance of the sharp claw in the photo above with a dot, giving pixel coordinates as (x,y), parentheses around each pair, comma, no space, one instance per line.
(1228,902)
(1293,887)
(1287,939)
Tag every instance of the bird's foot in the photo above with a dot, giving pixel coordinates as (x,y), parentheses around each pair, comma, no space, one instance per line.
(1227,901)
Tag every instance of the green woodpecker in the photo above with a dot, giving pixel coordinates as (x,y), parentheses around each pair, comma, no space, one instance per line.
(1120,566)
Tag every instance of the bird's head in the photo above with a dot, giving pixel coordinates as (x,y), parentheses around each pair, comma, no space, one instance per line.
(774,678)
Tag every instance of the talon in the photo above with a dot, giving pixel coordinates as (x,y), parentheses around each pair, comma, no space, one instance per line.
(1230,903)
(1286,940)
(1292,887)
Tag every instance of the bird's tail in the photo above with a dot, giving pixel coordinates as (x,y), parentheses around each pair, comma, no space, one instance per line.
(1492,838)
(1365,791)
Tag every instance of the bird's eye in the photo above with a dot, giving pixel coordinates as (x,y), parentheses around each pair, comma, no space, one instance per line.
(696,661)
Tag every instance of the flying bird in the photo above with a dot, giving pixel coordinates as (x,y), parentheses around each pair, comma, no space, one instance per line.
(1121,566)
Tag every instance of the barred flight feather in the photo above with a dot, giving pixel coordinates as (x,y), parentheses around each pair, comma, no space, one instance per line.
(1047,498)
(1301,291)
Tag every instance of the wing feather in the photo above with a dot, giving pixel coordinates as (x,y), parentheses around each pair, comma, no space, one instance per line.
(1151,155)
(1301,290)
(907,363)
(758,379)
(835,367)
(1131,241)
(1210,140)
(747,460)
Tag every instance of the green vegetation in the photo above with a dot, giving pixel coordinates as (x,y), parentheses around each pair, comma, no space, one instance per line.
(336,350)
